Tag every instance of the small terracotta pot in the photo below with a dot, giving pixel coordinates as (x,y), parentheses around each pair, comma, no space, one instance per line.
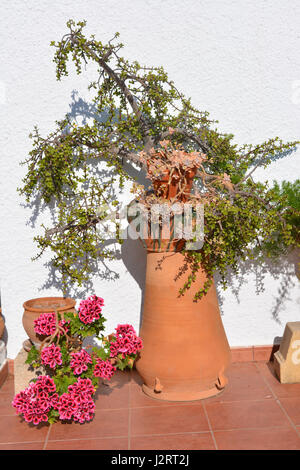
(170,191)
(162,188)
(35,307)
(2,324)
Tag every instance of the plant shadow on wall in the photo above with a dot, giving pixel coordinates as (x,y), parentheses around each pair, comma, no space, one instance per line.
(139,118)
(283,262)
(282,269)
(130,251)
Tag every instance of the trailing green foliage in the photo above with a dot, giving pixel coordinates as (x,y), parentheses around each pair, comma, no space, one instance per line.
(287,194)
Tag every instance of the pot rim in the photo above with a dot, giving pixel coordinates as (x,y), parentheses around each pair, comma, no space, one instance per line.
(69,303)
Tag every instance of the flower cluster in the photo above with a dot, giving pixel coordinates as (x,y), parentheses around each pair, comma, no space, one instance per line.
(125,341)
(46,325)
(90,309)
(67,393)
(37,400)
(123,330)
(104,369)
(51,356)
(79,362)
(77,403)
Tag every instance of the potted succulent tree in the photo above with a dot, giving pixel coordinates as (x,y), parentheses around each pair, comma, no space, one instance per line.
(288,195)
(137,108)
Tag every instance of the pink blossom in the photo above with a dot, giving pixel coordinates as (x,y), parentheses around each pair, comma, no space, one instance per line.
(82,387)
(85,411)
(45,324)
(55,401)
(46,383)
(104,369)
(115,347)
(36,400)
(90,309)
(66,406)
(125,342)
(80,361)
(124,330)
(51,356)
(77,404)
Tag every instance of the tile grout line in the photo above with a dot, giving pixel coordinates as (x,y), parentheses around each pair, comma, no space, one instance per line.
(47,437)
(78,439)
(293,425)
(20,442)
(210,427)
(143,435)
(208,432)
(193,403)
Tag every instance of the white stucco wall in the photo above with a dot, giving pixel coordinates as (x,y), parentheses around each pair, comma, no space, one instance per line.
(237,59)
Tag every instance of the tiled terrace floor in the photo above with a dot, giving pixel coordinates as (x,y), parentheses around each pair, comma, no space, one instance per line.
(254,412)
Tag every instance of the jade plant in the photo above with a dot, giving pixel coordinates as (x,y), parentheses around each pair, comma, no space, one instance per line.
(66,389)
(136,108)
(287,194)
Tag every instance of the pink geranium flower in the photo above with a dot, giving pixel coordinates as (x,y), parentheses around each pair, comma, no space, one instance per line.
(90,309)
(66,406)
(51,356)
(104,369)
(125,342)
(45,324)
(80,361)
(82,387)
(77,403)
(123,330)
(85,412)
(36,400)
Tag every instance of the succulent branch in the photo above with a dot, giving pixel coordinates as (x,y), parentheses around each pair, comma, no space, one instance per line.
(136,108)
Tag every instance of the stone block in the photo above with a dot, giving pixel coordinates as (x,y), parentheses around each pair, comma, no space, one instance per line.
(23,373)
(287,358)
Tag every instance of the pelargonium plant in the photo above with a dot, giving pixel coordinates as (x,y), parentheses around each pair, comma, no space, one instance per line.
(67,390)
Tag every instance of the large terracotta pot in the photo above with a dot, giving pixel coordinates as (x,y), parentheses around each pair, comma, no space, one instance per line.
(35,307)
(186,351)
